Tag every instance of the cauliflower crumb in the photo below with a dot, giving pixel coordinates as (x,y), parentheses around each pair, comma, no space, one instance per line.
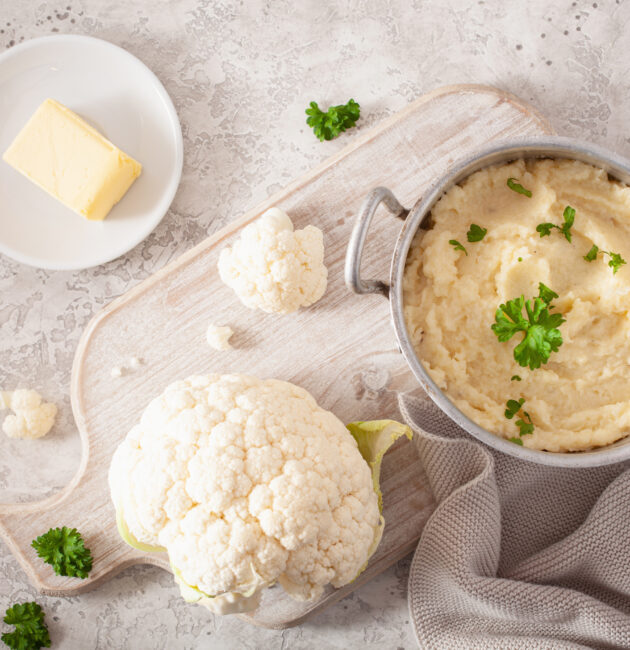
(218,337)
(31,418)
(273,267)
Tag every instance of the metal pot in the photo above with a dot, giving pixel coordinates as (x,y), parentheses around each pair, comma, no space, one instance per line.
(415,218)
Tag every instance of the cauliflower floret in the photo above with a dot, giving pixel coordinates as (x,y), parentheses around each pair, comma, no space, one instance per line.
(31,418)
(246,482)
(273,267)
(218,337)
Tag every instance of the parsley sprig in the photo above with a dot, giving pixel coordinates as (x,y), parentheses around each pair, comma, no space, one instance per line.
(524,423)
(30,631)
(515,186)
(336,119)
(542,336)
(568,217)
(64,549)
(615,262)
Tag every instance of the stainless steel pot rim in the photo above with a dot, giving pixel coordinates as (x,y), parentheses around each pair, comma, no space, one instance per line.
(553,147)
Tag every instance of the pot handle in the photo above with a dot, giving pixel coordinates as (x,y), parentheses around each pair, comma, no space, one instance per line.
(357,239)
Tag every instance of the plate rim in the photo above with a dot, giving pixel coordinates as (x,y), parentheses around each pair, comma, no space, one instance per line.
(170,191)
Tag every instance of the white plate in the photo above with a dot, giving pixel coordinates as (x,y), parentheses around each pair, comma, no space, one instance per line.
(125,101)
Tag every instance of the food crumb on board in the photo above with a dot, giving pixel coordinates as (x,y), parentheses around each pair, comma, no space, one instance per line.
(218,336)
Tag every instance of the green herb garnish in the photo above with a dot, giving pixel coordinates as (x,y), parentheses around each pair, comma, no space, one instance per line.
(516,441)
(542,336)
(457,246)
(546,294)
(515,378)
(64,549)
(514,185)
(524,424)
(615,262)
(336,119)
(512,407)
(569,217)
(592,254)
(30,631)
(476,233)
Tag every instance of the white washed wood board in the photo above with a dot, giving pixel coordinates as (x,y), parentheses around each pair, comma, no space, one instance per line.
(342,349)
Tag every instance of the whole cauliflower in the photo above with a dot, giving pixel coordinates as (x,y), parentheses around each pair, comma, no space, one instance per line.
(31,418)
(273,267)
(247,482)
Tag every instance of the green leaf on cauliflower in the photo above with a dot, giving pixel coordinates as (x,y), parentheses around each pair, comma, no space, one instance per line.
(225,603)
(374,438)
(128,537)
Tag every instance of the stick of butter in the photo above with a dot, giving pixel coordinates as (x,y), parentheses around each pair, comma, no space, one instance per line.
(72,161)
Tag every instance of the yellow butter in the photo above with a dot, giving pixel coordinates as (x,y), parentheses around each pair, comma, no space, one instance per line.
(72,161)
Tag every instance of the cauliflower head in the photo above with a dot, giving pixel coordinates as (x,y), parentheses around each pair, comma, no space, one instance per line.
(245,483)
(31,418)
(273,267)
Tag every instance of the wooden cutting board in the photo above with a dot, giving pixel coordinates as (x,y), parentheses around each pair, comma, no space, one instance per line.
(342,349)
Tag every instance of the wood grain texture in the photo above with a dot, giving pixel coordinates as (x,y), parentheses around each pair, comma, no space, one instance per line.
(342,349)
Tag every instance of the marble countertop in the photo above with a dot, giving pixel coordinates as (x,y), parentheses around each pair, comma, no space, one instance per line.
(240,75)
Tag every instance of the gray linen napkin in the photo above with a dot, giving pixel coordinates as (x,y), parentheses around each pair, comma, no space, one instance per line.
(517,555)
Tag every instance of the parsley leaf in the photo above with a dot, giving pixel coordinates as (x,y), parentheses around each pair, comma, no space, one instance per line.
(542,336)
(457,246)
(517,441)
(515,378)
(527,427)
(524,424)
(512,407)
(568,216)
(476,233)
(514,185)
(592,254)
(336,119)
(30,632)
(63,548)
(615,262)
(546,294)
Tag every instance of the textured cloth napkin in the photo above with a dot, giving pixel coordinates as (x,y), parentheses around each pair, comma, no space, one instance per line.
(517,555)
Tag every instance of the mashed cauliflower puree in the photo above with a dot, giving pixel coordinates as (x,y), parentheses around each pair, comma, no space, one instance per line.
(580,398)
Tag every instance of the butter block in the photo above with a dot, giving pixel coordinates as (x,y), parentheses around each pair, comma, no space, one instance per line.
(72,161)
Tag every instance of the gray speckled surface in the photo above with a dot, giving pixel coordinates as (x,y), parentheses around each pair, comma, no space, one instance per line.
(240,75)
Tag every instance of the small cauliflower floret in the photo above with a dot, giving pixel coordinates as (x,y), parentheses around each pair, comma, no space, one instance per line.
(273,267)
(248,482)
(31,418)
(218,337)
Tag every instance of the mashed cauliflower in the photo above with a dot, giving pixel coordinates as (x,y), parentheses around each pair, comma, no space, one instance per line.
(580,399)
